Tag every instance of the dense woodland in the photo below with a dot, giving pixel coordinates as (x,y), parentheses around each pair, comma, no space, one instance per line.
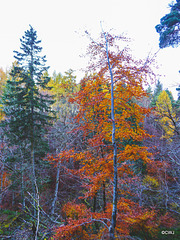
(91,159)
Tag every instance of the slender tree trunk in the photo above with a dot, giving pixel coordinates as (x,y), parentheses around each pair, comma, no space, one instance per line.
(13,193)
(22,186)
(1,193)
(13,199)
(22,176)
(36,204)
(114,211)
(94,202)
(33,177)
(56,189)
(34,184)
(34,181)
(38,211)
(104,196)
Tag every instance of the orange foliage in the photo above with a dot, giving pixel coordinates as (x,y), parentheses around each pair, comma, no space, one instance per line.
(96,157)
(74,211)
(94,121)
(79,222)
(131,216)
(61,157)
(4,180)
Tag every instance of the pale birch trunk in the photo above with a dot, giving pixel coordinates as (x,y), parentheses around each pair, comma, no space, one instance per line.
(114,210)
(56,189)
(1,193)
(34,182)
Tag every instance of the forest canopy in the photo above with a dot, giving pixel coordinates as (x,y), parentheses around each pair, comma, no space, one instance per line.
(94,159)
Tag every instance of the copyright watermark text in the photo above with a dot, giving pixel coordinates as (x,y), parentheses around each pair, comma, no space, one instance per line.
(167,232)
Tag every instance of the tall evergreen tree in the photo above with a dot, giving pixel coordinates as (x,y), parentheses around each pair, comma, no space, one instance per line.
(158,89)
(27,106)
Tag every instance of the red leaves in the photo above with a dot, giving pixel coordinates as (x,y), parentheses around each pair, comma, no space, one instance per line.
(61,157)
(130,217)
(167,220)
(95,157)
(79,221)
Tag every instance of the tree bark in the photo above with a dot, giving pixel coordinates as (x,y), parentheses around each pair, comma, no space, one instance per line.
(56,189)
(114,211)
(1,193)
(94,202)
(22,186)
(104,196)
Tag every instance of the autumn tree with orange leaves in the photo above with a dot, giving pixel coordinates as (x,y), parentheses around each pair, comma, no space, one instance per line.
(111,121)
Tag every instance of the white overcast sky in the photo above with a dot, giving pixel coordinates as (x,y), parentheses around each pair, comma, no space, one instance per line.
(58,21)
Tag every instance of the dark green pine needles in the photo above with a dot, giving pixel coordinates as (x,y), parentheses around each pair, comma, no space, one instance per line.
(169,26)
(27,104)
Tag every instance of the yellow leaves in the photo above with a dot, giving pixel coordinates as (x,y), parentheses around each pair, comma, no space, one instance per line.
(166,114)
(163,104)
(151,181)
(3,79)
(63,88)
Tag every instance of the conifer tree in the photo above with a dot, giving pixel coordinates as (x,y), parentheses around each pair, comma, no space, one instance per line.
(168,28)
(27,106)
(158,89)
